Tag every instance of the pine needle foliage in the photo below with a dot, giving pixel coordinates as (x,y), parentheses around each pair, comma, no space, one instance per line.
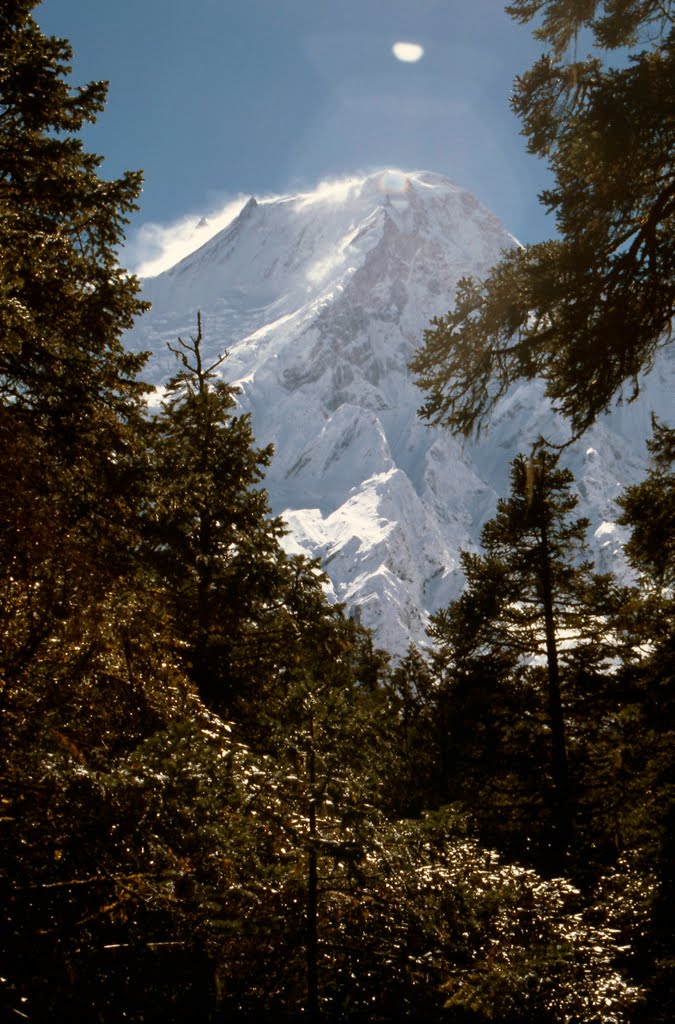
(587,311)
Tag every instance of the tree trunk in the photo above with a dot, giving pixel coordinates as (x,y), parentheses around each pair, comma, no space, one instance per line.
(312,894)
(555,710)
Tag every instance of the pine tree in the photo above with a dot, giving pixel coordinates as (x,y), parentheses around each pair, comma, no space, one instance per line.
(647,716)
(84,675)
(65,299)
(417,707)
(210,533)
(70,406)
(648,508)
(533,613)
(494,753)
(588,311)
(245,614)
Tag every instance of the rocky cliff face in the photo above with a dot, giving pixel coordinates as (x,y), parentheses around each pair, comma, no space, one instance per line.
(320,299)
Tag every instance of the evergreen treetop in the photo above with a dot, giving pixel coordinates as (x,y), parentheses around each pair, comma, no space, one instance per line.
(65,301)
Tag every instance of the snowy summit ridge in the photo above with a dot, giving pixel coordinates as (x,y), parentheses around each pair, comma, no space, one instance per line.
(320,299)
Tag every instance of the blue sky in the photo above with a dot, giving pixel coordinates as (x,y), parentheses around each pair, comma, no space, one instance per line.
(218,98)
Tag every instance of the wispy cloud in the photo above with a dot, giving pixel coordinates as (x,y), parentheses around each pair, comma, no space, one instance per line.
(153,248)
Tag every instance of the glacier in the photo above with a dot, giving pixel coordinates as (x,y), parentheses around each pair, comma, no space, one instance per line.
(320,299)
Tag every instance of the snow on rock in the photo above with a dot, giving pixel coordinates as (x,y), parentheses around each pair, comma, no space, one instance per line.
(320,300)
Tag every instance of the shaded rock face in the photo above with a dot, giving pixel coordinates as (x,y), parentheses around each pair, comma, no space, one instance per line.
(320,299)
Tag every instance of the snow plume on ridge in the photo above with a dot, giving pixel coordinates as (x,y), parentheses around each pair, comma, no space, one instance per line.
(332,189)
(156,247)
(153,248)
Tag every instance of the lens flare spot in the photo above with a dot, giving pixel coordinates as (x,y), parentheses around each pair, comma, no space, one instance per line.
(409,53)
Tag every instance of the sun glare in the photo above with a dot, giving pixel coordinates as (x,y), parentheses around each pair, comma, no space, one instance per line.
(392,181)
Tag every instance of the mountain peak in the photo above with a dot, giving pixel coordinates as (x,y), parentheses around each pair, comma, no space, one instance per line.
(378,187)
(321,298)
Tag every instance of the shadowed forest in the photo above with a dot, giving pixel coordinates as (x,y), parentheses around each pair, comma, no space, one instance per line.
(220,801)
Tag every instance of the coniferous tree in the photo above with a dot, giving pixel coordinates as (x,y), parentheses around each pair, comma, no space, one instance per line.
(587,311)
(210,533)
(417,707)
(648,508)
(70,404)
(646,733)
(647,629)
(71,413)
(531,613)
(494,752)
(245,614)
(83,672)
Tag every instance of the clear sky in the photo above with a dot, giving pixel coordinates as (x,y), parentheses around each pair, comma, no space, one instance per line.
(214,99)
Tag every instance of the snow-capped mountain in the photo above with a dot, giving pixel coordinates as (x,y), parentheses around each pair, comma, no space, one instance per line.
(320,299)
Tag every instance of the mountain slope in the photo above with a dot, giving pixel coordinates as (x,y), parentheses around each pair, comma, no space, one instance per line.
(320,300)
